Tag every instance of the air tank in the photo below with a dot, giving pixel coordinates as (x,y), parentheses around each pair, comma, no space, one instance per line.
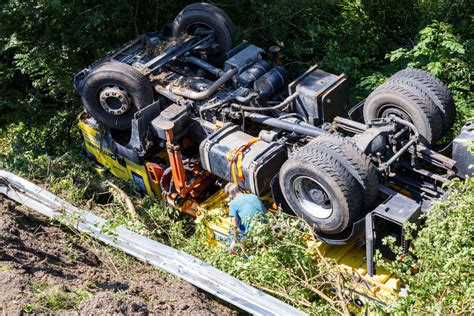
(271,82)
(249,76)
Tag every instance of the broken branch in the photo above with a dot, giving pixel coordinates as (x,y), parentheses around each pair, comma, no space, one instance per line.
(125,197)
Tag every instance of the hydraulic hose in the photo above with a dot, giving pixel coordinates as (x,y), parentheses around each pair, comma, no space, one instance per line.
(225,101)
(194,95)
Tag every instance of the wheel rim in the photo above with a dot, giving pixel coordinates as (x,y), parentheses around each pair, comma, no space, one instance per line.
(312,197)
(393,109)
(114,100)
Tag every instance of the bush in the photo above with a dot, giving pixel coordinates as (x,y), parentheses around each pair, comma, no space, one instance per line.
(277,258)
(444,279)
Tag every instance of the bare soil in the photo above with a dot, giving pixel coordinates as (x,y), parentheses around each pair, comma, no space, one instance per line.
(47,269)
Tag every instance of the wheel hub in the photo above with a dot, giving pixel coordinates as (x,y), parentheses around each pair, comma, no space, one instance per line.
(312,197)
(394,110)
(317,196)
(115,100)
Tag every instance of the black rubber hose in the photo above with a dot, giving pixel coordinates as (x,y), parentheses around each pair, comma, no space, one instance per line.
(204,65)
(302,128)
(225,101)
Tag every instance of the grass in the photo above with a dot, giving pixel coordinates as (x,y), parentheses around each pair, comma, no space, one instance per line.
(54,298)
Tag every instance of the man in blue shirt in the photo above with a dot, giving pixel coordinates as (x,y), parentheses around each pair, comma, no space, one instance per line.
(243,209)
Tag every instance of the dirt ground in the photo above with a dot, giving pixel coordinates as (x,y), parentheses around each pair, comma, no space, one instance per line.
(45,269)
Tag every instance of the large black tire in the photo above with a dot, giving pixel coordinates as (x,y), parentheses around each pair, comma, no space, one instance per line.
(321,190)
(132,83)
(435,89)
(357,163)
(210,7)
(409,102)
(212,17)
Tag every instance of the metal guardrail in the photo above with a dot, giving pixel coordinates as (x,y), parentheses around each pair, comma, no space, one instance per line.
(176,262)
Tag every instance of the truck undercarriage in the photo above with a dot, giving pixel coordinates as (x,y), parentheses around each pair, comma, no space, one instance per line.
(182,112)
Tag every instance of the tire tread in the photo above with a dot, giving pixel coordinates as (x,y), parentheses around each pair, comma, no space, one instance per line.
(435,88)
(332,167)
(414,93)
(362,167)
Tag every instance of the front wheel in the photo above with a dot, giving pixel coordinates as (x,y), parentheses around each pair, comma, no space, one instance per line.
(113,92)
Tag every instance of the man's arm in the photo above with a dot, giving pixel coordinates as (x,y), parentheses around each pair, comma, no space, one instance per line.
(235,227)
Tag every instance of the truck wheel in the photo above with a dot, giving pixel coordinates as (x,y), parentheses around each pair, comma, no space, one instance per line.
(436,90)
(201,18)
(410,103)
(357,163)
(113,92)
(321,190)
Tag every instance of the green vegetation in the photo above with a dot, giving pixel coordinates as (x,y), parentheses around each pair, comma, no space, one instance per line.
(43,43)
(50,299)
(443,283)
(278,259)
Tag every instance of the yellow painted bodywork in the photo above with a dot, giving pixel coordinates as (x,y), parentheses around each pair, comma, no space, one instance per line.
(382,286)
(350,258)
(118,166)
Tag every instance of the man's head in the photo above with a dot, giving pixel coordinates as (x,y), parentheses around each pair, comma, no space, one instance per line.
(232,190)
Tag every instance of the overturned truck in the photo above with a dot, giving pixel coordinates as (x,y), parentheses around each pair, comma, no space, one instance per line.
(182,111)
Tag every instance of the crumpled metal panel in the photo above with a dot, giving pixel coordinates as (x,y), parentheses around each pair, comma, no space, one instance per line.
(176,262)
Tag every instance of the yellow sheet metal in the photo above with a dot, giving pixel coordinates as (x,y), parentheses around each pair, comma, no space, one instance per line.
(118,166)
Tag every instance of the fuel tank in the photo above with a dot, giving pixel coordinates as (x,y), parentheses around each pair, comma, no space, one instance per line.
(260,161)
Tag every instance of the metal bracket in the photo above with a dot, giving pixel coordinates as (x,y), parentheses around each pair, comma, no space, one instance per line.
(396,211)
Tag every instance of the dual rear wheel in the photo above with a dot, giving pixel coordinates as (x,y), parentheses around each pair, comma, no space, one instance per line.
(418,97)
(330,183)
